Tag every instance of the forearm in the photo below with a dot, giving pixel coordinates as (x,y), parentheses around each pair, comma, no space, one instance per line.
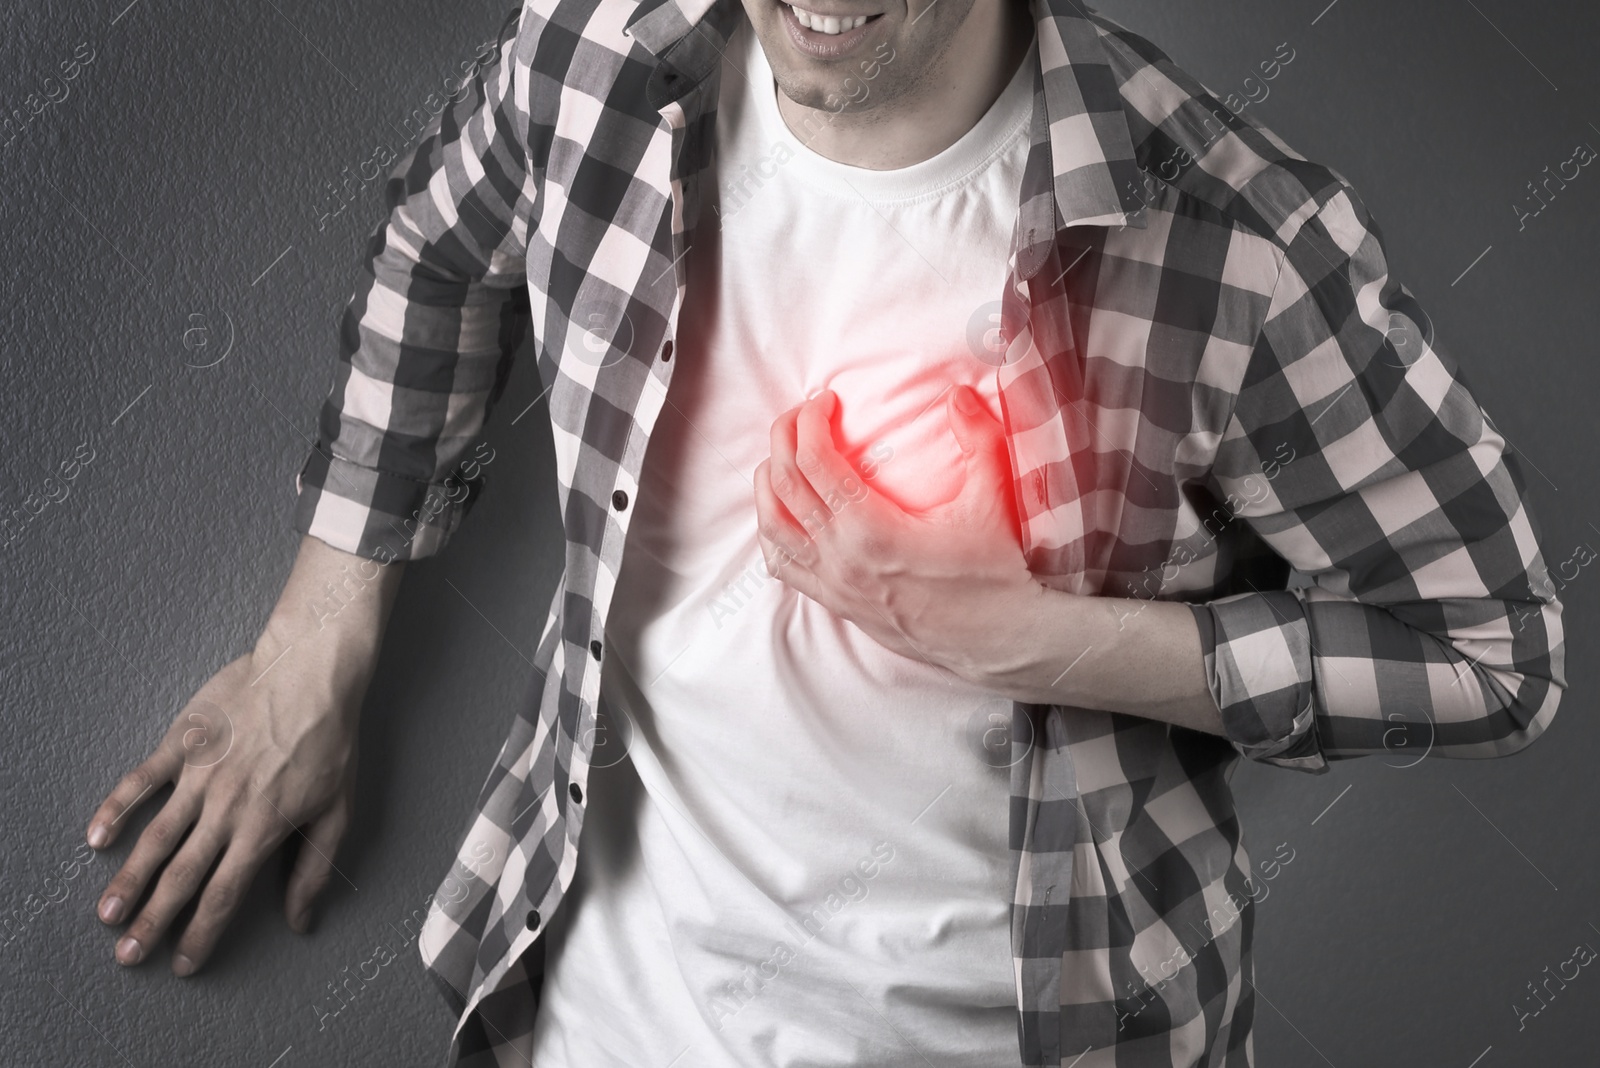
(1142,658)
(952,588)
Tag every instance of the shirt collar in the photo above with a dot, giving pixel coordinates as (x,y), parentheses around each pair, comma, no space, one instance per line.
(1081,139)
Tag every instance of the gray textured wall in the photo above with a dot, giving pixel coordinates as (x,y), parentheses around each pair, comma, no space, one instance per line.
(165,214)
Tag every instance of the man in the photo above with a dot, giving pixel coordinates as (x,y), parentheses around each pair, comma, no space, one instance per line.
(1014,377)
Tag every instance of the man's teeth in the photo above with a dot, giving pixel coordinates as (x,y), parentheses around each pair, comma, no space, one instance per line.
(826,23)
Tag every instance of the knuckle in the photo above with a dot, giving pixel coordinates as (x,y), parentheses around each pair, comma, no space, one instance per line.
(182,875)
(125,884)
(809,462)
(315,883)
(872,543)
(149,924)
(876,551)
(865,548)
(133,784)
(865,556)
(257,842)
(852,571)
(222,897)
(337,822)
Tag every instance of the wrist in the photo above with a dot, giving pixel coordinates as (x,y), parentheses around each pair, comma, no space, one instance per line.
(1110,654)
(330,617)
(1030,628)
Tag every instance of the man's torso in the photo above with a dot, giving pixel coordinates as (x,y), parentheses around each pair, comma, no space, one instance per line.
(804,856)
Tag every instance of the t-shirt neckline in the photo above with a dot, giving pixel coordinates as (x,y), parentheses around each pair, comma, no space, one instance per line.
(999,127)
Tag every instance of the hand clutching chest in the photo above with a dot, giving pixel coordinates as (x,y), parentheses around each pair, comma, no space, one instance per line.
(947,584)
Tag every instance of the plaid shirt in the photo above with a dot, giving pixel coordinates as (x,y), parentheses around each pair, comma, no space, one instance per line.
(1213,393)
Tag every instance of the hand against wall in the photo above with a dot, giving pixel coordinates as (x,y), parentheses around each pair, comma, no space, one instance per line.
(264,750)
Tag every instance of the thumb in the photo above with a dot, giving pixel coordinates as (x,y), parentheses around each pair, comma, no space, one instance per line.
(982,441)
(975,429)
(980,435)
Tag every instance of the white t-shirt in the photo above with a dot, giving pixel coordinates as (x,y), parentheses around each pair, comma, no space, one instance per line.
(804,860)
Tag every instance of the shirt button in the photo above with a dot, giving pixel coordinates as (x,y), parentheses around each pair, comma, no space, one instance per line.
(594,649)
(666,351)
(619,500)
(577,792)
(533,919)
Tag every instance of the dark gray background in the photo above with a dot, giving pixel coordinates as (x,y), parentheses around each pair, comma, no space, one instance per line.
(182,176)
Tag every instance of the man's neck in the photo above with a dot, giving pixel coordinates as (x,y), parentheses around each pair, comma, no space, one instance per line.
(917,125)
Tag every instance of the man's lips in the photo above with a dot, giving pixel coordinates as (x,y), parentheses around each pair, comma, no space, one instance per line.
(826,23)
(825,36)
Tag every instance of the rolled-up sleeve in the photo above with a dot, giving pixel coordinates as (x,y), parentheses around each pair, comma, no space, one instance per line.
(1359,455)
(426,340)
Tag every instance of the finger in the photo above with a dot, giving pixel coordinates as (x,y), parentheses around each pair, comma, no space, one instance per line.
(771,555)
(157,770)
(777,528)
(314,866)
(976,430)
(241,859)
(818,458)
(797,576)
(789,483)
(177,884)
(155,844)
(982,441)
(779,562)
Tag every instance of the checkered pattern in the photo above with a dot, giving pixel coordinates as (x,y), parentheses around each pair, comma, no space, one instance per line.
(1210,383)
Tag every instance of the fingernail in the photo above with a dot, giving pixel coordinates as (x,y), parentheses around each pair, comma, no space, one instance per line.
(300,921)
(99,836)
(111,909)
(966,400)
(129,951)
(181,965)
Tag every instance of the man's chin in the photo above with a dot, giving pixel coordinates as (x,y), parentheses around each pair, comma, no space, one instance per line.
(805,92)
